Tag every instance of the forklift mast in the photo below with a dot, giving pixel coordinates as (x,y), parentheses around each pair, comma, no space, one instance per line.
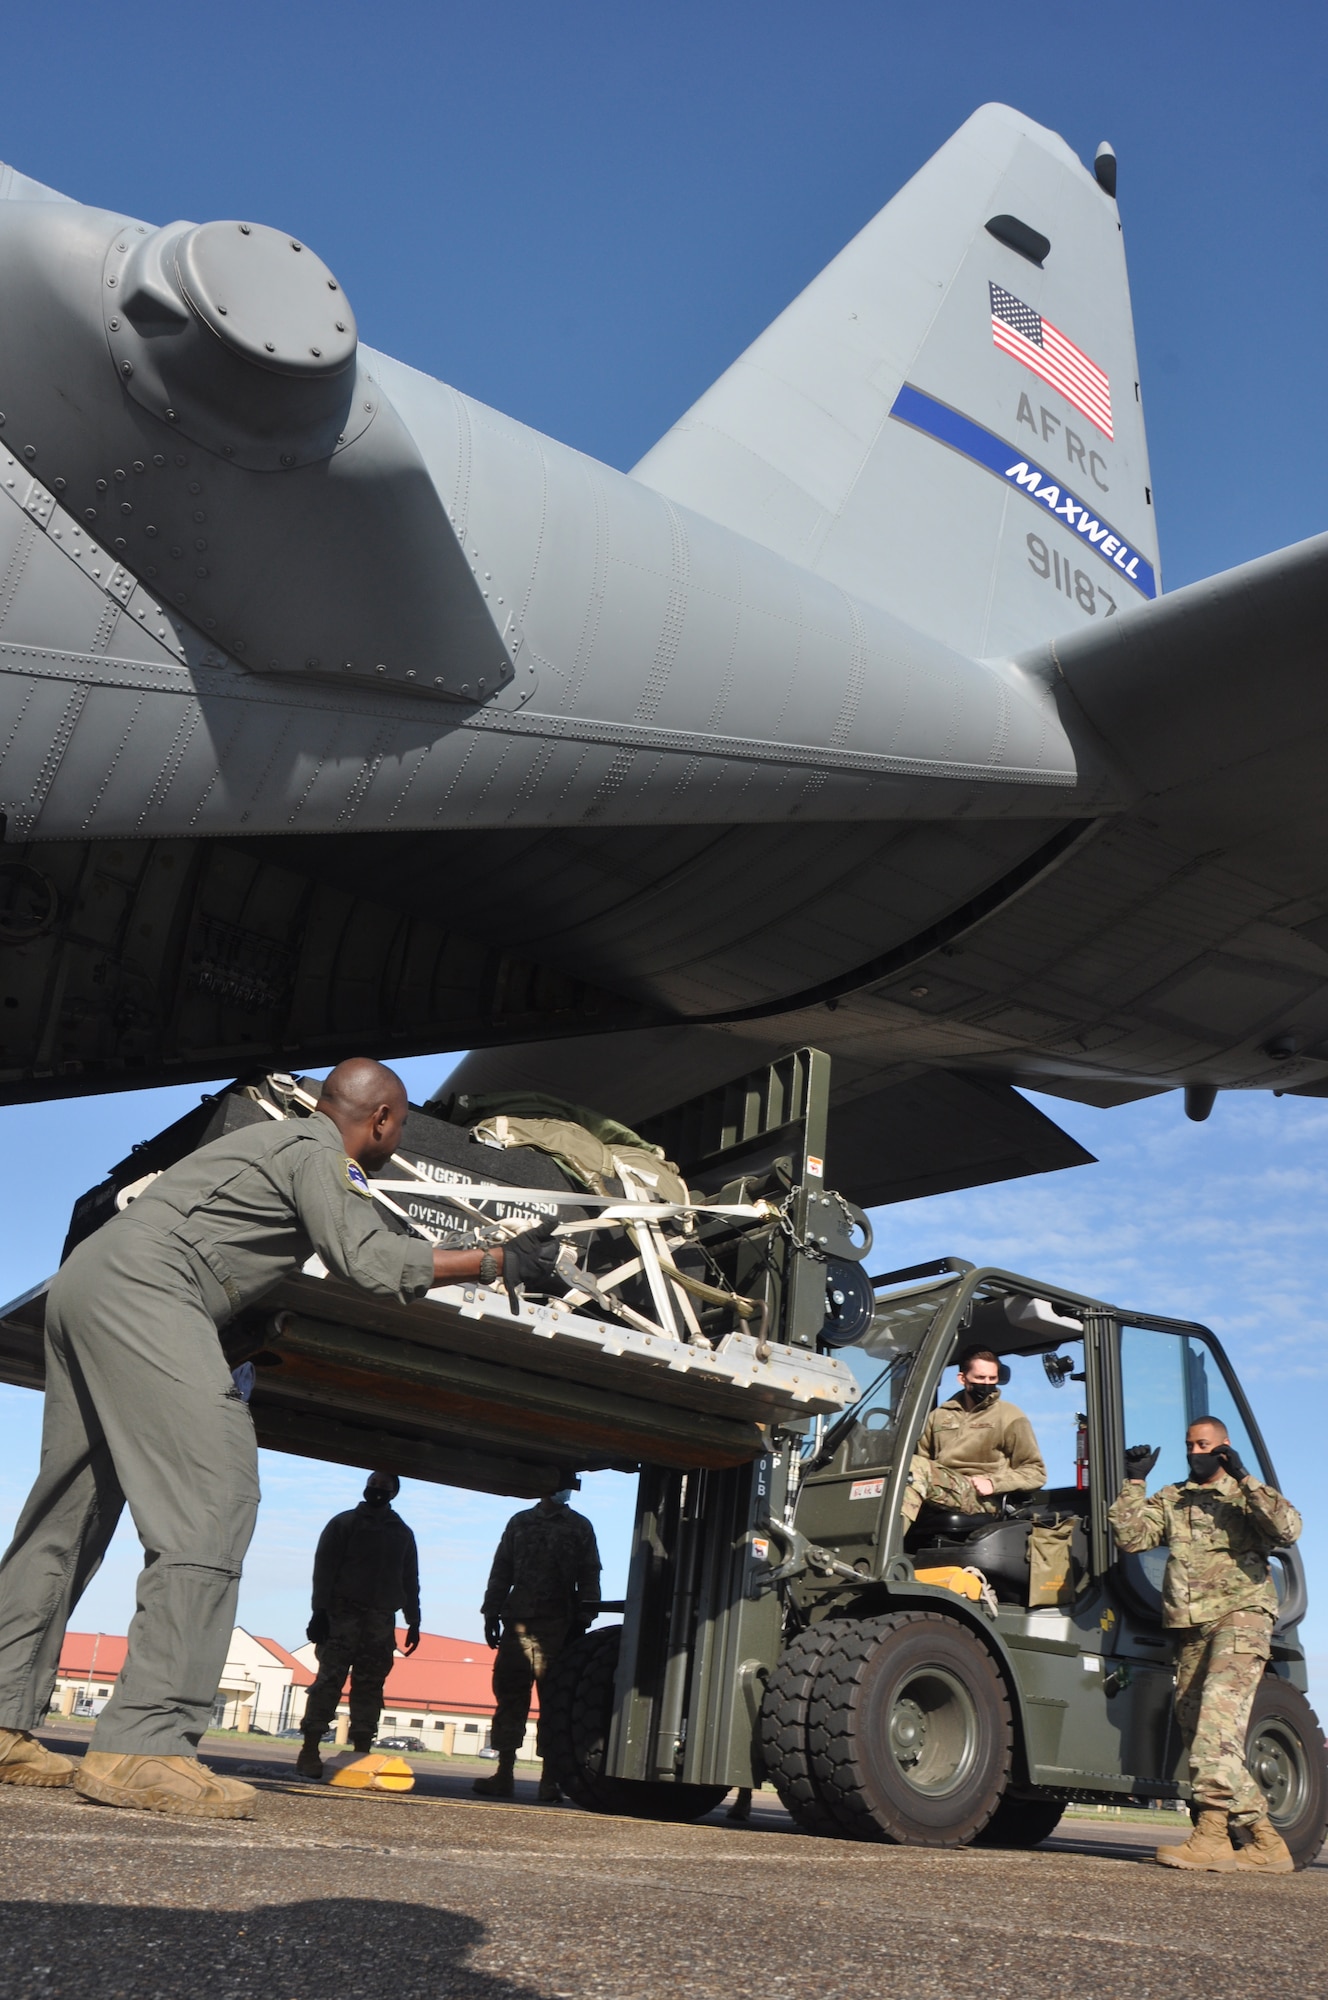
(703,1618)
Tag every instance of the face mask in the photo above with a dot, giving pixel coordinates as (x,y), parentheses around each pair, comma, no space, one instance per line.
(563,1496)
(1203,1464)
(980,1394)
(376,1496)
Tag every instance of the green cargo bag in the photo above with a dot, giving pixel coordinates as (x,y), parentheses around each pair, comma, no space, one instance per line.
(1050,1566)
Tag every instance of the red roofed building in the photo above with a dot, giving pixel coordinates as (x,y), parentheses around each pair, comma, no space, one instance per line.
(442,1694)
(300,1673)
(89,1663)
(262,1685)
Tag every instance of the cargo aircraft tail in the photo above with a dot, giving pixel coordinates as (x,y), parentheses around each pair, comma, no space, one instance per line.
(947,421)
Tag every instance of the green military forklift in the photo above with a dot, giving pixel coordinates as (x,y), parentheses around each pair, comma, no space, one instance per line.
(933,1683)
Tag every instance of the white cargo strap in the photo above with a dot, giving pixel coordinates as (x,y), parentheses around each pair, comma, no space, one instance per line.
(643,1219)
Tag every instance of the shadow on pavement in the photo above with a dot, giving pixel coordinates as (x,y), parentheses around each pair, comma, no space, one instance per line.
(288,1951)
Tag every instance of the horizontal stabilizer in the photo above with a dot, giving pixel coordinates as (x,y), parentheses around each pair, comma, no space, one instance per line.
(631,1076)
(1213,684)
(936,1132)
(927,1133)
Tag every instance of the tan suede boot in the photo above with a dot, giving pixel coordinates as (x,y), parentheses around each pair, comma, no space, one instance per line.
(1209,1846)
(1267,1853)
(24,1761)
(179,1785)
(502,1783)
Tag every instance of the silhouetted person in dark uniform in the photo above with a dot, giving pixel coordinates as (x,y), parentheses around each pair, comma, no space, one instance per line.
(366,1569)
(543,1591)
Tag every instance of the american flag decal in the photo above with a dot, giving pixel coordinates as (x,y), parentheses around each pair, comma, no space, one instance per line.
(1018,330)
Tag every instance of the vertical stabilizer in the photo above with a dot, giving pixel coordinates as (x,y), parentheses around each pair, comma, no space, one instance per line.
(947,421)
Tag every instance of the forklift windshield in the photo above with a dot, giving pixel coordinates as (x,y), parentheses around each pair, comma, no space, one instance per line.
(896,1335)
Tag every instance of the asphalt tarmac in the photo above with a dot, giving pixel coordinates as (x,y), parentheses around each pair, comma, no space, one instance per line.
(330,1895)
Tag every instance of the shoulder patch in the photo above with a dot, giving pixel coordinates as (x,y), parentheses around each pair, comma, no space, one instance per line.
(357,1180)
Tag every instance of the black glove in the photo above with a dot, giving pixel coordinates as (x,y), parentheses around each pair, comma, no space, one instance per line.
(529,1260)
(318,1628)
(493,1632)
(412,1638)
(1231,1461)
(1140,1460)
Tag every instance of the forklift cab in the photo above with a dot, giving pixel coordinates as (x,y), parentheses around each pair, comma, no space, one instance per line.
(1088,1667)
(1091,1378)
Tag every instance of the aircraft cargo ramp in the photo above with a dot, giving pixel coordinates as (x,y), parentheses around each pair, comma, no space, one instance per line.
(458,1388)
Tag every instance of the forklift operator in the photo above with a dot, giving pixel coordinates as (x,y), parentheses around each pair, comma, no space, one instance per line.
(141,1407)
(974,1447)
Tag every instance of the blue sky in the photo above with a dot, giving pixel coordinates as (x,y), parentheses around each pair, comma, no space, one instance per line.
(581,213)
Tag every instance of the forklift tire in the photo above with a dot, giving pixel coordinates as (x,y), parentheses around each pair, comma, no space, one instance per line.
(910,1731)
(1021,1823)
(783,1728)
(577,1704)
(1284,1750)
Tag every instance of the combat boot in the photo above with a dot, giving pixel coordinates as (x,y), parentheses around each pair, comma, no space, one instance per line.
(176,1785)
(1208,1847)
(25,1761)
(550,1791)
(1267,1853)
(309,1763)
(502,1784)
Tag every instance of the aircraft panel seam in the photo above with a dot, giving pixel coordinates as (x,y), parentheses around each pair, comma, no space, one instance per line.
(325,759)
(623,736)
(19,720)
(18,562)
(666,649)
(736,749)
(170,768)
(26,819)
(221,764)
(594,610)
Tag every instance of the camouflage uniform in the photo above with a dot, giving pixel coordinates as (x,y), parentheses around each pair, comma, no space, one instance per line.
(360,1642)
(544,1584)
(958,1445)
(365,1568)
(1218,1598)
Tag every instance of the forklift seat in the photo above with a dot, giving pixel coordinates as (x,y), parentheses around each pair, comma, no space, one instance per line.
(995,1544)
(933,1521)
(946,1521)
(998,1548)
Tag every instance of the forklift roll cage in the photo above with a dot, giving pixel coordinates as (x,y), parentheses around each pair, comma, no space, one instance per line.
(725,1564)
(960,1286)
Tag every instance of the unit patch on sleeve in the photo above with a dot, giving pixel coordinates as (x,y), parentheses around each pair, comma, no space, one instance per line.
(357,1180)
